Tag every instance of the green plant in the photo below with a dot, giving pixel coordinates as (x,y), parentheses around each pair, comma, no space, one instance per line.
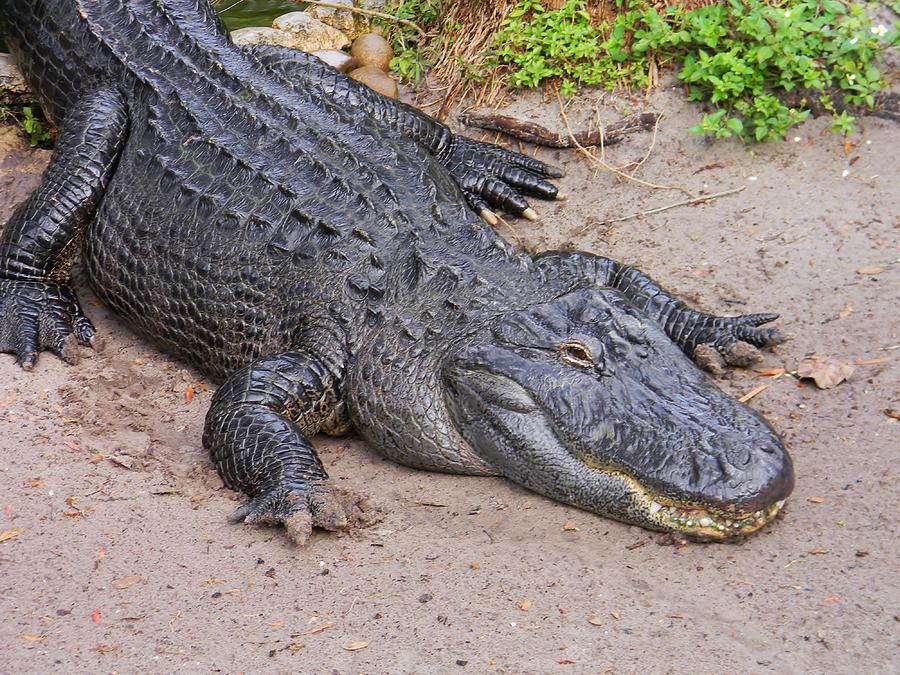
(755,63)
(411,57)
(32,127)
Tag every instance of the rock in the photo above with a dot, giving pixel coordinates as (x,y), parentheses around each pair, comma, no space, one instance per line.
(257,35)
(375,78)
(349,23)
(307,34)
(372,50)
(340,61)
(13,88)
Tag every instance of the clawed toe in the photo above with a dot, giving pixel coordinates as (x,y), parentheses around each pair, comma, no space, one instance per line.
(299,511)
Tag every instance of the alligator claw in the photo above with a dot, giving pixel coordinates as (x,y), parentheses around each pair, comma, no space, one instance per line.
(40,315)
(300,510)
(498,177)
(737,339)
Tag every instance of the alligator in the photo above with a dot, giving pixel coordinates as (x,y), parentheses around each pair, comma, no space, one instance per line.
(318,250)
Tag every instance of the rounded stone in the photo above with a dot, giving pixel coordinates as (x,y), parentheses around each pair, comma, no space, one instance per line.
(340,61)
(376,79)
(372,50)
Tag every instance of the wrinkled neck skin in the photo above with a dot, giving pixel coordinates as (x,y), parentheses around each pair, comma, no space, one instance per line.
(580,397)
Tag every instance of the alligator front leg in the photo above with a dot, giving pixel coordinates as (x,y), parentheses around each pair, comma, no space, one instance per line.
(38,310)
(489,176)
(257,434)
(735,338)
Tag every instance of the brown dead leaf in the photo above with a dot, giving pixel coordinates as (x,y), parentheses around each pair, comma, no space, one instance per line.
(770,372)
(10,533)
(34,483)
(567,662)
(95,457)
(819,551)
(104,649)
(198,498)
(831,599)
(816,500)
(319,628)
(189,393)
(475,566)
(126,582)
(594,620)
(95,616)
(848,147)
(355,646)
(870,270)
(296,646)
(34,638)
(525,604)
(570,526)
(893,414)
(616,616)
(825,371)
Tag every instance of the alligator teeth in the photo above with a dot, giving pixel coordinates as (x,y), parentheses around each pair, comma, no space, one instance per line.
(654,507)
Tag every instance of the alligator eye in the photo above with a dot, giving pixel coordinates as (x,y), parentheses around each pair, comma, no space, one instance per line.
(576,353)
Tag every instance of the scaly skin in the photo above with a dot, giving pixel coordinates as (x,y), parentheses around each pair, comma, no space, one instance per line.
(313,246)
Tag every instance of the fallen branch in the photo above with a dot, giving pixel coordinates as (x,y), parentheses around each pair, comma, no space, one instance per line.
(660,209)
(367,12)
(535,133)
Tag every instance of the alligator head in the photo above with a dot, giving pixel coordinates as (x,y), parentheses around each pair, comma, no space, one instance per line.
(585,400)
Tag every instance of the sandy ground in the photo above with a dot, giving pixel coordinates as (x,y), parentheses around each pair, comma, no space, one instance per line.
(121,558)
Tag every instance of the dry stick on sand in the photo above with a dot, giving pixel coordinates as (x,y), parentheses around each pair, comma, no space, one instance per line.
(660,209)
(598,161)
(540,135)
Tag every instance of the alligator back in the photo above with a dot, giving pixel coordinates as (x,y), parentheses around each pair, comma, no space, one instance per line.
(239,205)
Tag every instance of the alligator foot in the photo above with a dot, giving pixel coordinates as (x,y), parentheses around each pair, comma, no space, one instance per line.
(492,177)
(300,510)
(37,316)
(734,341)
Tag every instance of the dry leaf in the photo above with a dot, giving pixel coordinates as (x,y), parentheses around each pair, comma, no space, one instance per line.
(826,371)
(126,582)
(34,483)
(296,646)
(870,270)
(847,311)
(354,646)
(831,599)
(848,147)
(319,628)
(594,620)
(189,393)
(771,372)
(104,649)
(567,662)
(616,616)
(95,616)
(95,457)
(816,500)
(570,526)
(893,414)
(475,566)
(34,638)
(525,604)
(753,392)
(10,533)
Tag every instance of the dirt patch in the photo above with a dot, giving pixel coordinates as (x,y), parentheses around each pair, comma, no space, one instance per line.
(121,557)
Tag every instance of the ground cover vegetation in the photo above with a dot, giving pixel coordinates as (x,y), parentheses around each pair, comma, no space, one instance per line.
(758,67)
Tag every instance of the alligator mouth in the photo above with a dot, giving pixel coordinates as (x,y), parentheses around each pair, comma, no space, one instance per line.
(698,522)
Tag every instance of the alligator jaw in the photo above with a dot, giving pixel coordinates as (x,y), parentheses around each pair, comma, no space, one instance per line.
(701,523)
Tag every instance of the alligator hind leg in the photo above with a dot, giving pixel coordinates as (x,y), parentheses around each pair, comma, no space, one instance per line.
(735,338)
(38,310)
(257,435)
(489,176)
